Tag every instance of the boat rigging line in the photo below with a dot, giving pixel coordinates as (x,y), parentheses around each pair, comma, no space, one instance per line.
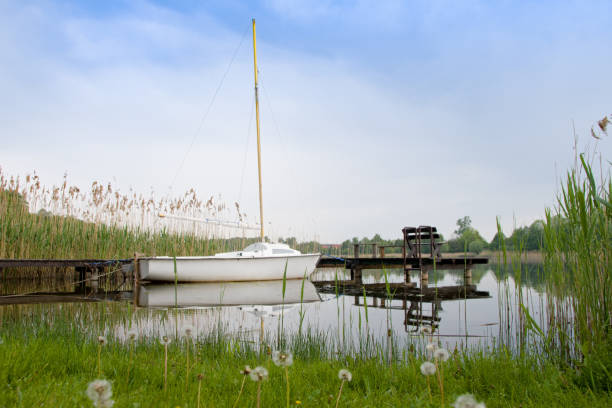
(212,101)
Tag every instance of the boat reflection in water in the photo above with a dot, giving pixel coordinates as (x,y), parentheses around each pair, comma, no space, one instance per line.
(210,294)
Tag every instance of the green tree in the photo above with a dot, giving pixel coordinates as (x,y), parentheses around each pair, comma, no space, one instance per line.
(463,224)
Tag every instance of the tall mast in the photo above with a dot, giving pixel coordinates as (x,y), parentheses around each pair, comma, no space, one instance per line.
(261,218)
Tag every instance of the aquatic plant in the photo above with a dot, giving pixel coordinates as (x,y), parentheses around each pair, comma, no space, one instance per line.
(578,265)
(100,393)
(344,375)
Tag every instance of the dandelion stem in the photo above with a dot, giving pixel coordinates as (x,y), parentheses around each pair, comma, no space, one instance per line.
(258,393)
(200,387)
(127,378)
(429,390)
(440,382)
(287,378)
(99,365)
(240,392)
(165,366)
(187,375)
(340,393)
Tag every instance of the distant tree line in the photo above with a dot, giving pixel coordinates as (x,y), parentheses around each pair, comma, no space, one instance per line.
(464,239)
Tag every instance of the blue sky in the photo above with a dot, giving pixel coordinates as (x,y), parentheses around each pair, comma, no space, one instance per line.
(375,115)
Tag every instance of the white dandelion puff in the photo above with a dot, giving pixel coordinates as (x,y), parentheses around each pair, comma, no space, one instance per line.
(345,375)
(431,347)
(467,401)
(246,371)
(188,330)
(428,369)
(282,358)
(132,334)
(426,330)
(99,392)
(102,340)
(258,374)
(164,340)
(441,354)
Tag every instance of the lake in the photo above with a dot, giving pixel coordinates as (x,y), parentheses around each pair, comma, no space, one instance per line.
(251,311)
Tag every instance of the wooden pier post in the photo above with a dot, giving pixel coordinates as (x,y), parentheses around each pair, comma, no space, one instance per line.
(80,272)
(424,278)
(136,289)
(467,276)
(374,250)
(356,275)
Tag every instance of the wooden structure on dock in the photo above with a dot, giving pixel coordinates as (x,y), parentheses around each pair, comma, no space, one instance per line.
(421,251)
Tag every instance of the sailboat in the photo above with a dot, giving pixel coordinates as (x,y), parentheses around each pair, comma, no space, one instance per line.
(258,261)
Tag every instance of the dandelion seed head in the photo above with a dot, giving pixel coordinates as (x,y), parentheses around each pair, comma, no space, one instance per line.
(188,330)
(102,340)
(467,401)
(345,375)
(431,347)
(441,354)
(426,330)
(259,374)
(428,368)
(132,334)
(99,391)
(246,371)
(282,358)
(164,340)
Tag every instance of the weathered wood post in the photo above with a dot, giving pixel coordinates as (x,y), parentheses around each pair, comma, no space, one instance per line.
(374,250)
(136,269)
(81,278)
(424,277)
(94,279)
(382,251)
(467,275)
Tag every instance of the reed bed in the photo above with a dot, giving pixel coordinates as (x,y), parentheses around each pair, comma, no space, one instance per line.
(578,265)
(66,222)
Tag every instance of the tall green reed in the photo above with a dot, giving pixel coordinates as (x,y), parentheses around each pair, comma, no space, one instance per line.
(578,263)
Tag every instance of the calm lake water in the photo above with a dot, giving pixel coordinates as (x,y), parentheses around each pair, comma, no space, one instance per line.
(243,310)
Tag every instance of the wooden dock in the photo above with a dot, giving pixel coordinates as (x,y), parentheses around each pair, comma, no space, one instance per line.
(421,251)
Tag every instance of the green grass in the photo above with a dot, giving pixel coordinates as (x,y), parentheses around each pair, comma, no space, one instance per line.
(45,366)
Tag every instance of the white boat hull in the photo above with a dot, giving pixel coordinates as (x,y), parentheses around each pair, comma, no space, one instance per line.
(226,269)
(227,294)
